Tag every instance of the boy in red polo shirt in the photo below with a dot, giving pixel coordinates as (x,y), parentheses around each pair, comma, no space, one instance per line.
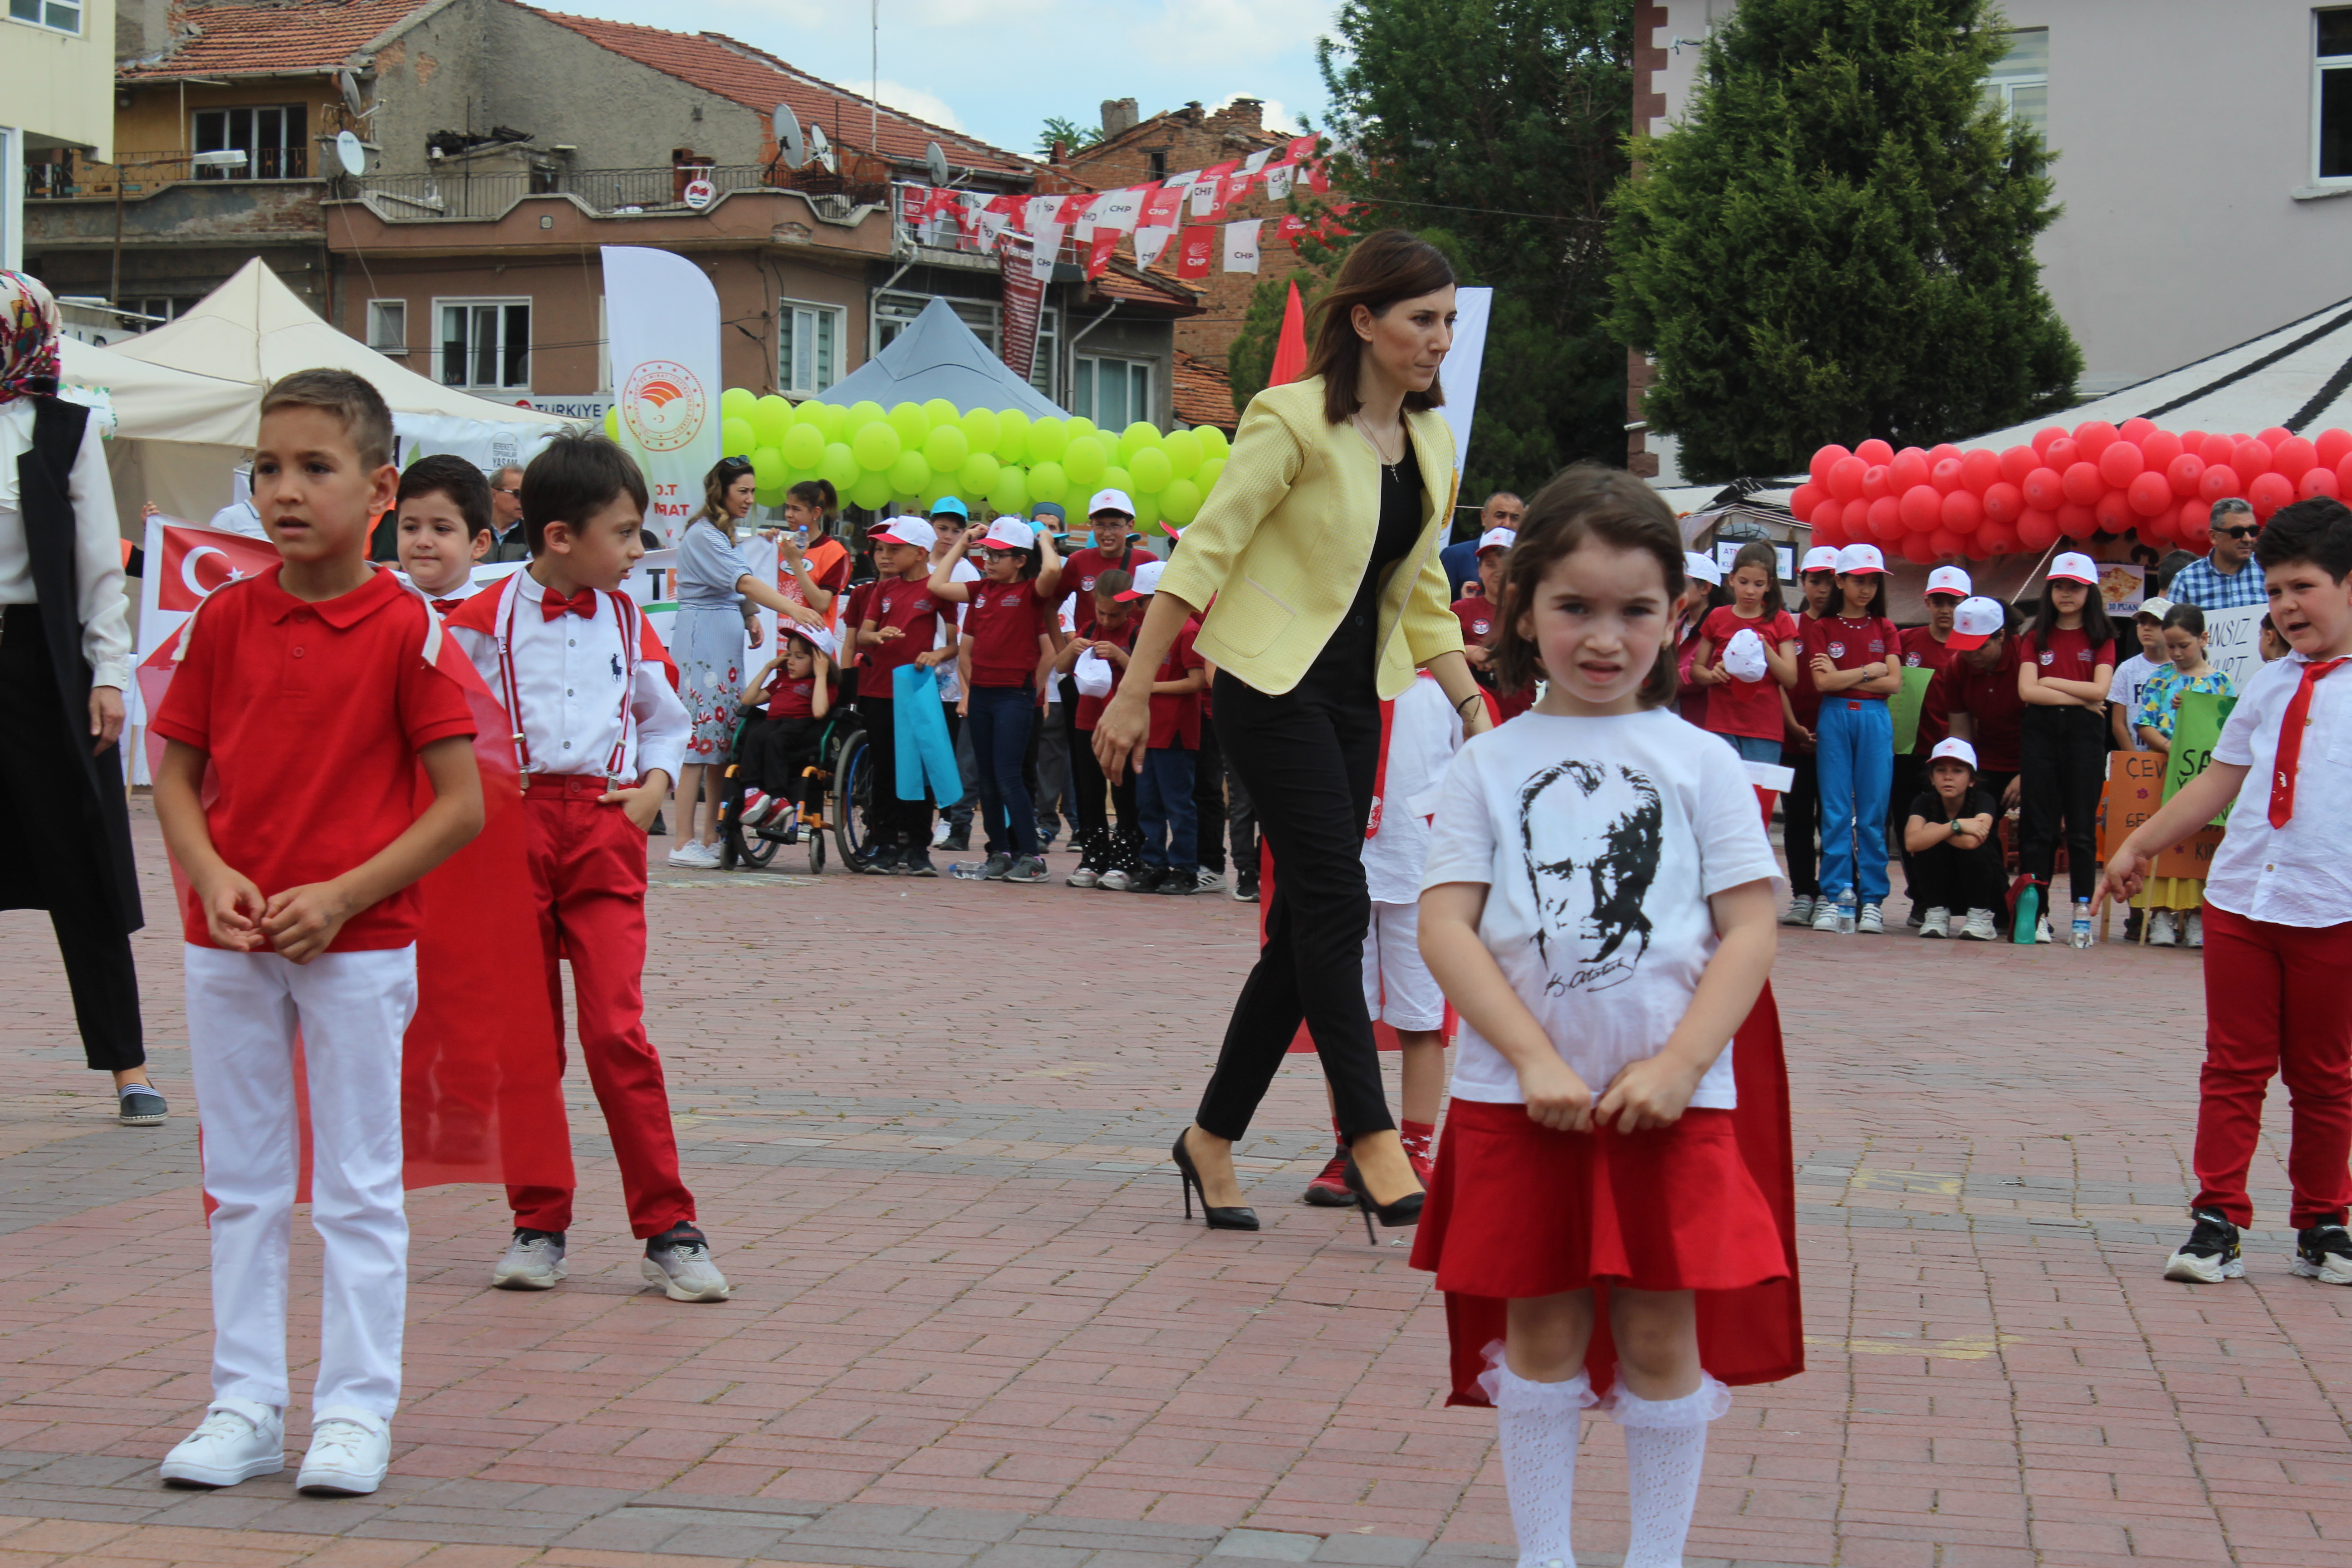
(599,734)
(309,696)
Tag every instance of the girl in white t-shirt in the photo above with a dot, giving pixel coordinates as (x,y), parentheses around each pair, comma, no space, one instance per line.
(1597,903)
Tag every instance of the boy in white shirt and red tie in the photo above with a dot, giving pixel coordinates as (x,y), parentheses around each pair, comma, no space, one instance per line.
(601,734)
(2278,911)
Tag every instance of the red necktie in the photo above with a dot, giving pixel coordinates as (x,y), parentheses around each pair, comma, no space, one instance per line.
(448,606)
(583,604)
(2290,742)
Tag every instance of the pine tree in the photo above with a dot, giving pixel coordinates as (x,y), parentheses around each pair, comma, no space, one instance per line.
(1838,241)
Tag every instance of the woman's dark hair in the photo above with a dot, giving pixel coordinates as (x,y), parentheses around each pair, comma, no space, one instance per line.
(1586,501)
(577,476)
(1383,269)
(1877,595)
(444,473)
(2188,619)
(2318,531)
(723,473)
(2096,626)
(1760,552)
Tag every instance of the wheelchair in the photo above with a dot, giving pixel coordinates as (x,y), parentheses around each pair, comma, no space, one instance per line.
(844,776)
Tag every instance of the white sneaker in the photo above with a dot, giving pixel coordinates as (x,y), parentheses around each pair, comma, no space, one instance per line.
(678,1260)
(939,833)
(1980,927)
(1114,881)
(237,1441)
(2197,928)
(1208,881)
(533,1261)
(2041,930)
(1825,912)
(694,857)
(1871,922)
(1800,911)
(2160,929)
(1937,922)
(347,1457)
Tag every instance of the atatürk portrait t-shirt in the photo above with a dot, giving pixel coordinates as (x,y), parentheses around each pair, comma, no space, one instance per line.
(1598,841)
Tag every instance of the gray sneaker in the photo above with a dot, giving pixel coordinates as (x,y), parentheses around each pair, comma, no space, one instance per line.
(1210,882)
(534,1261)
(678,1260)
(1028,869)
(994,868)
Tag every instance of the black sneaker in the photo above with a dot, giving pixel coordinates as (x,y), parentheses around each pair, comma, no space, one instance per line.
(141,1106)
(876,860)
(1180,881)
(2210,1253)
(2324,1252)
(1147,880)
(1245,891)
(917,863)
(994,868)
(959,841)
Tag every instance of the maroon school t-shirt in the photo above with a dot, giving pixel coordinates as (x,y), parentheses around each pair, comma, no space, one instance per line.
(1004,620)
(1176,720)
(1850,645)
(2068,655)
(1080,571)
(909,607)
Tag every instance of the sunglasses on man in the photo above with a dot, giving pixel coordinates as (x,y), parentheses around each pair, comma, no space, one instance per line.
(2242,530)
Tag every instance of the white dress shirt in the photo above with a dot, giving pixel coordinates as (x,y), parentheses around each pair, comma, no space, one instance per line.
(570,680)
(101,607)
(2297,875)
(240,517)
(950,629)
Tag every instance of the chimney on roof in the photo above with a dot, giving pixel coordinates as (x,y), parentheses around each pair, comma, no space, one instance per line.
(1241,115)
(1119,116)
(142,30)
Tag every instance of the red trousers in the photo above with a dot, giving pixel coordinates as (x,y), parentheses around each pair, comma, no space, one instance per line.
(2274,1005)
(588,871)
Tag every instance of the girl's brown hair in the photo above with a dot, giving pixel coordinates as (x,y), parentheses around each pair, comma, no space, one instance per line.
(1383,269)
(1759,552)
(1586,501)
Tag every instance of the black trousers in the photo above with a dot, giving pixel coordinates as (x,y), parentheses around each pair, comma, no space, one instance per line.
(1087,781)
(1209,798)
(780,751)
(1910,777)
(1309,758)
(1800,824)
(40,780)
(2062,753)
(1949,877)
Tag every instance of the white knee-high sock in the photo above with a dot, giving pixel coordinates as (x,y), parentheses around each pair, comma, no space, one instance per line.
(1539,1425)
(1665,1448)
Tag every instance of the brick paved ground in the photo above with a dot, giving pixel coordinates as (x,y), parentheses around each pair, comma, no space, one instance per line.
(972,1326)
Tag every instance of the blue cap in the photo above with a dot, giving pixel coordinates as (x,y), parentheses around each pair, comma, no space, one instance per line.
(951,507)
(1050,508)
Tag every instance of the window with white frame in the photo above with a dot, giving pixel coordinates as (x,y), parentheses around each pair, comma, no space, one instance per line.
(270,137)
(808,347)
(387,326)
(1113,392)
(65,16)
(484,344)
(2019,80)
(2332,95)
(894,314)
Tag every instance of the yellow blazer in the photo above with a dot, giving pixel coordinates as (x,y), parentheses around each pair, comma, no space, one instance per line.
(1282,540)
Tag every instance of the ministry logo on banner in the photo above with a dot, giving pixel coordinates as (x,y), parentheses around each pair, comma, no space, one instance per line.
(663,406)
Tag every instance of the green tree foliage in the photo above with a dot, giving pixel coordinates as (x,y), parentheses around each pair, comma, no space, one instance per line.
(1838,240)
(1068,132)
(1496,128)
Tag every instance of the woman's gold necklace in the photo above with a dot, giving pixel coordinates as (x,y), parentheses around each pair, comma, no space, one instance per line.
(1388,464)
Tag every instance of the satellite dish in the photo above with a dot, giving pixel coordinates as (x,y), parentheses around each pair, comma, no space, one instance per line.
(350,83)
(351,155)
(935,162)
(823,150)
(789,144)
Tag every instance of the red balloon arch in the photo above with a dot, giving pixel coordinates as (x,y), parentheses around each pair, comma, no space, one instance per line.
(1943,503)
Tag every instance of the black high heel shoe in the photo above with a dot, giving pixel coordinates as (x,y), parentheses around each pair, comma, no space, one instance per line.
(1405,1211)
(1235,1218)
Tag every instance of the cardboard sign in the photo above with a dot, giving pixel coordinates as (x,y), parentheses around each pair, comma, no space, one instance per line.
(1903,706)
(2192,857)
(2196,730)
(2134,790)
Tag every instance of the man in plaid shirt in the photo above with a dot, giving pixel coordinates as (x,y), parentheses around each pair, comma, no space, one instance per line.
(2228,579)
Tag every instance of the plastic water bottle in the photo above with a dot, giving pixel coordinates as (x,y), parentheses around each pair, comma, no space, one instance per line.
(2082,922)
(1845,917)
(967,870)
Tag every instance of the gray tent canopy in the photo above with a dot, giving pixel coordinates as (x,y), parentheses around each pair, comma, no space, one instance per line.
(939,356)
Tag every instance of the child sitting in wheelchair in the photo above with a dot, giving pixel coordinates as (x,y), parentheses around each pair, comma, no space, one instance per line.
(779,746)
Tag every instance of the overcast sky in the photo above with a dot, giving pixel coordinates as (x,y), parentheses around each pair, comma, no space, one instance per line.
(996,68)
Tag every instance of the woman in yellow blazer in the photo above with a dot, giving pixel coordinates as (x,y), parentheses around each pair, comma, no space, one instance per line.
(1318,548)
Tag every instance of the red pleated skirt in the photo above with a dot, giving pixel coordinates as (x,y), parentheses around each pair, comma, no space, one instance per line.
(1515,1210)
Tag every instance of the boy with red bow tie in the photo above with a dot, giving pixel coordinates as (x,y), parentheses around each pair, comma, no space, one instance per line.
(600,734)
(2278,911)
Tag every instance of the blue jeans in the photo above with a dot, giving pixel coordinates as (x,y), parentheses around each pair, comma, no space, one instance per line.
(998,725)
(1163,799)
(1857,767)
(1752,750)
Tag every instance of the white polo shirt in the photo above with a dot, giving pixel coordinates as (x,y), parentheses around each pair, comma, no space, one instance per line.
(2297,875)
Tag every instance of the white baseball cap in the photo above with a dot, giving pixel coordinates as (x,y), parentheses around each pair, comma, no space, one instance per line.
(1855,560)
(1702,567)
(1110,500)
(2076,567)
(2160,608)
(1743,656)
(1975,623)
(905,530)
(1146,579)
(1820,558)
(818,638)
(1011,533)
(1953,750)
(1496,539)
(1950,580)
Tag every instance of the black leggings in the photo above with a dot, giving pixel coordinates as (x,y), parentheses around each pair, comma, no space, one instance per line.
(1309,758)
(2062,755)
(1800,824)
(780,751)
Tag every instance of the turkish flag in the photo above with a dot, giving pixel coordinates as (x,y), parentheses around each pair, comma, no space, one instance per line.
(1195,247)
(1160,208)
(198,560)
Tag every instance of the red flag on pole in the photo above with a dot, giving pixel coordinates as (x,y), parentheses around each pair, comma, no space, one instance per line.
(1291,346)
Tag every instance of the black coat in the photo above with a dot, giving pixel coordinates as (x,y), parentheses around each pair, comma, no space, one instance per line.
(42,475)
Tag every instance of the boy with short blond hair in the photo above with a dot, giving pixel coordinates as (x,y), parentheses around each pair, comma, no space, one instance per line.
(309,696)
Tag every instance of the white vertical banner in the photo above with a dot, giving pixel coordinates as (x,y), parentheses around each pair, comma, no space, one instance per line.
(1241,245)
(1460,375)
(665,343)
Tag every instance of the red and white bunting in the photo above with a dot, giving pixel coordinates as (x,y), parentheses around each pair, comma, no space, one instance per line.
(1073,209)
(1118,211)
(1291,229)
(1241,245)
(1277,178)
(1256,160)
(1037,212)
(1149,241)
(1161,207)
(1049,248)
(1106,240)
(1193,249)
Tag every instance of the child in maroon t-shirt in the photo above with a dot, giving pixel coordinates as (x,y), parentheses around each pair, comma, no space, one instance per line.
(1110,859)
(1164,788)
(781,745)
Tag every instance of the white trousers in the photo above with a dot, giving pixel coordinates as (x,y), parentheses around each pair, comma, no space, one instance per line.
(1399,989)
(352,1009)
